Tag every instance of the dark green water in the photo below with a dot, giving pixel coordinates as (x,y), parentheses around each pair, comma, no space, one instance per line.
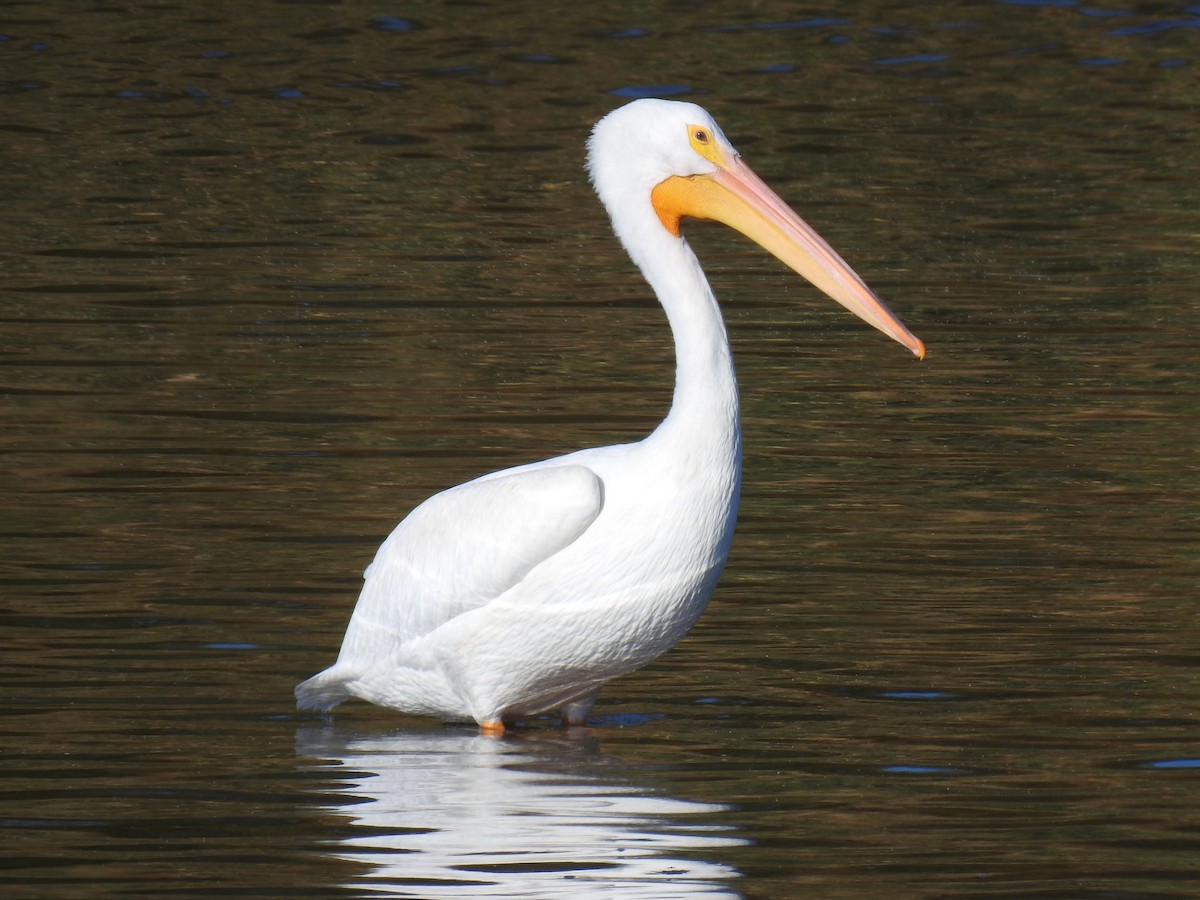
(273,273)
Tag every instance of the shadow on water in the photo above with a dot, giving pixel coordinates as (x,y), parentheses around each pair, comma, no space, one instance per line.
(455,814)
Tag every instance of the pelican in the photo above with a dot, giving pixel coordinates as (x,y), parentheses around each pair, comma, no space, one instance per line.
(525,590)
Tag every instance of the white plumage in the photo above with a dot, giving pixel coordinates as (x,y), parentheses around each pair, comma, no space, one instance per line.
(525,590)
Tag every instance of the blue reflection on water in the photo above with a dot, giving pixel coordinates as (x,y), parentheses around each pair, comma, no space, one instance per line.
(639,91)
(925,770)
(915,58)
(1182,763)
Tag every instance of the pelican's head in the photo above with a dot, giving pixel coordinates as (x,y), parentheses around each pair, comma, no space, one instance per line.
(645,142)
(674,157)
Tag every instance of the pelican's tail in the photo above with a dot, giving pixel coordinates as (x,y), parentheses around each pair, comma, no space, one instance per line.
(323,691)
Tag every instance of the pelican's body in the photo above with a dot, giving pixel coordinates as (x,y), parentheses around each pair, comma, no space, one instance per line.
(525,590)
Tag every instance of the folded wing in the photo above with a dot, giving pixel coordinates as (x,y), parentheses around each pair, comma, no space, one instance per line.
(457,551)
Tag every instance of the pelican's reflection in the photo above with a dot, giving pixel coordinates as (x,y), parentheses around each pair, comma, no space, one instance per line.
(453,814)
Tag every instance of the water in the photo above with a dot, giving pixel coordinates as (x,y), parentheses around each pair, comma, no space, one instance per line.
(274,274)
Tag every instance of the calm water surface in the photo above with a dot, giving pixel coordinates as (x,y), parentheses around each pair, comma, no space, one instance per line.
(273,274)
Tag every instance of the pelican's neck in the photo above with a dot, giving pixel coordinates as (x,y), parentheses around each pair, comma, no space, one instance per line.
(704,411)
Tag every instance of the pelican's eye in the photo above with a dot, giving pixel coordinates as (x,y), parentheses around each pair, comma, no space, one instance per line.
(704,143)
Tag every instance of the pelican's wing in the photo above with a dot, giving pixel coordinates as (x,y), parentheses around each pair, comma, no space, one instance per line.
(455,552)
(466,546)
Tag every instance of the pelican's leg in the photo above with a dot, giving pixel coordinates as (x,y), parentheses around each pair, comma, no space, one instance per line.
(493,728)
(575,712)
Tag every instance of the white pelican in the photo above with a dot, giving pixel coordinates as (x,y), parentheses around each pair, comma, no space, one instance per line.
(527,589)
